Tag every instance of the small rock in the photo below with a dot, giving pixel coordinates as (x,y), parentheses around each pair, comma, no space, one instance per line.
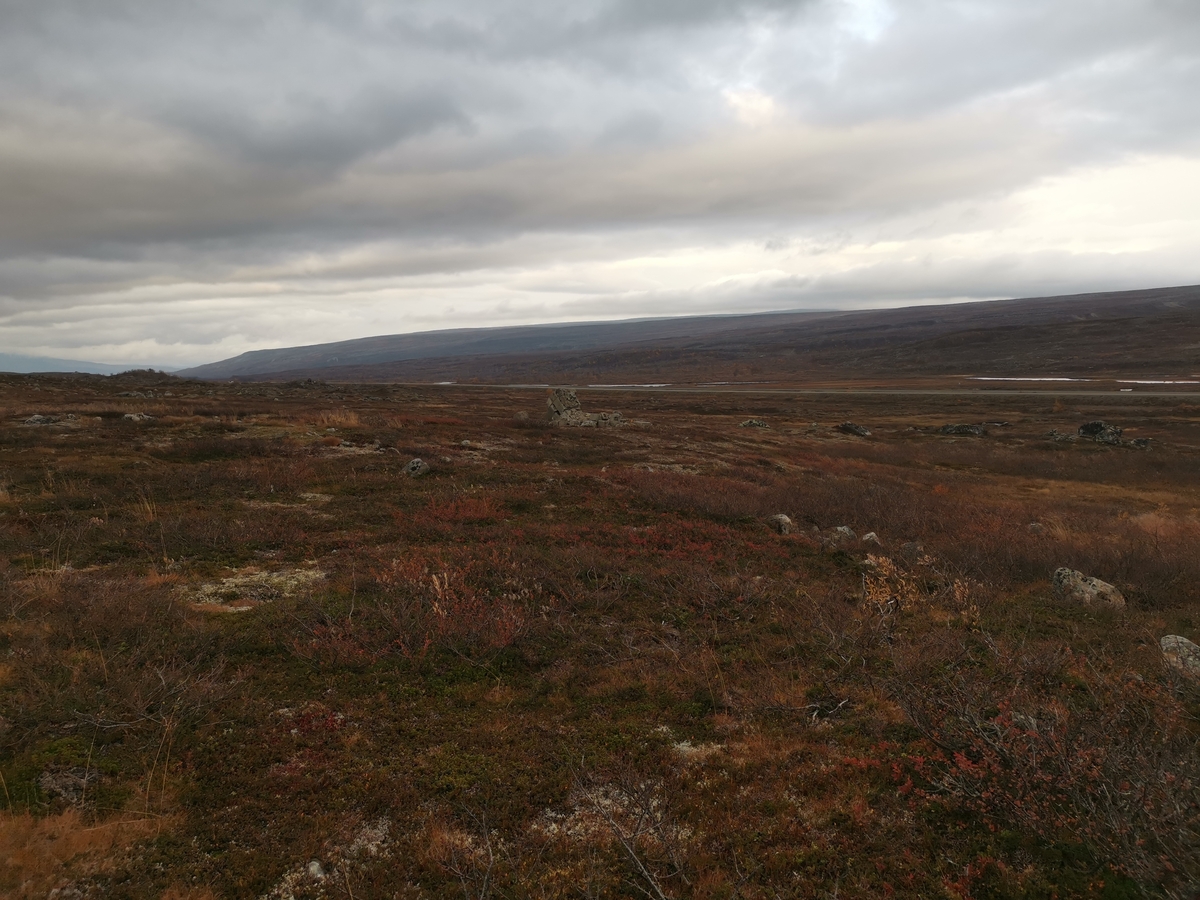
(871,538)
(780,523)
(754,423)
(1072,585)
(315,870)
(844,533)
(416,468)
(1181,654)
(911,549)
(138,417)
(1140,443)
(856,430)
(40,420)
(1056,435)
(976,430)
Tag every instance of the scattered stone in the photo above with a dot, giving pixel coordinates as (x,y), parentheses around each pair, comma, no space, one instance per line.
(754,423)
(1056,435)
(1140,443)
(315,870)
(1181,654)
(131,394)
(871,538)
(845,532)
(1072,585)
(780,523)
(41,420)
(138,417)
(856,430)
(416,468)
(563,408)
(976,430)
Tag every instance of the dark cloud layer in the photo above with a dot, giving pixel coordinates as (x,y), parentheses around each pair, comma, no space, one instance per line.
(182,181)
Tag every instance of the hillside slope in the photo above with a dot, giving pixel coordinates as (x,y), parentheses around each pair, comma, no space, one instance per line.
(1148,332)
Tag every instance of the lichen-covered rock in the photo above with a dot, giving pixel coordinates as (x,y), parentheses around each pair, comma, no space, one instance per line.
(754,423)
(416,468)
(1100,432)
(780,523)
(1181,654)
(563,408)
(1072,585)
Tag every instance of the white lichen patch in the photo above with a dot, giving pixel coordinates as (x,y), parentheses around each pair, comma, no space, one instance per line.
(248,588)
(690,752)
(316,878)
(605,813)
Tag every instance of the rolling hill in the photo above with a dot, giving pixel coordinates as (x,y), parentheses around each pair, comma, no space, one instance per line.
(1145,332)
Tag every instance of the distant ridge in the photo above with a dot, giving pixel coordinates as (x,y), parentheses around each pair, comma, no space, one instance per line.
(17,363)
(466,342)
(1147,331)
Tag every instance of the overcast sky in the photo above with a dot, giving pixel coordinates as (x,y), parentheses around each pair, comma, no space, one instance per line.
(183,181)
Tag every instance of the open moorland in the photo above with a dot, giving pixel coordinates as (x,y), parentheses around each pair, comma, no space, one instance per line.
(248,648)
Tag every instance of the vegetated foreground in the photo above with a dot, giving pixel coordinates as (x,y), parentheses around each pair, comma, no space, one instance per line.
(245,654)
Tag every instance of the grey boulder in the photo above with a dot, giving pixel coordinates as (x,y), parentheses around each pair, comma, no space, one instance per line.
(1072,585)
(1181,654)
(780,523)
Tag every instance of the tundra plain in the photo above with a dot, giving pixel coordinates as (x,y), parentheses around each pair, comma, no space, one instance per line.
(244,654)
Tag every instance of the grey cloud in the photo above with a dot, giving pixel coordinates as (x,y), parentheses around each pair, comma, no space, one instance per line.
(153,155)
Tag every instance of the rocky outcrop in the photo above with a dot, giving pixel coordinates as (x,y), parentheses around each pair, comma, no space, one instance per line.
(856,430)
(563,408)
(1100,432)
(780,523)
(1181,654)
(976,430)
(1072,585)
